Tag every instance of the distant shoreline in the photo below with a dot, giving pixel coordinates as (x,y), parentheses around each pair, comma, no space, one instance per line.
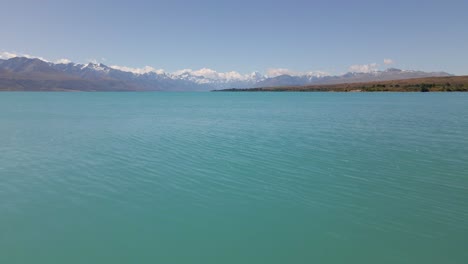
(430,84)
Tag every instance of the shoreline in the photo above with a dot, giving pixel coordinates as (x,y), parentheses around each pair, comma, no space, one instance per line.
(430,84)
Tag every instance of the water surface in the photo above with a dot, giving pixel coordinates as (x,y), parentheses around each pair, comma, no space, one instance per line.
(233,178)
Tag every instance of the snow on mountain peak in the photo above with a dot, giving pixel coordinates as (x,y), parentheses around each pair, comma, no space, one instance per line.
(138,71)
(206,75)
(271,73)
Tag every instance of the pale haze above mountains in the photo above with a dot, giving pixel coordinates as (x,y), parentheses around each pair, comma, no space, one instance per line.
(34,74)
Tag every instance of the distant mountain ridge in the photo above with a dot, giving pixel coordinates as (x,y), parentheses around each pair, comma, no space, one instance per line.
(32,74)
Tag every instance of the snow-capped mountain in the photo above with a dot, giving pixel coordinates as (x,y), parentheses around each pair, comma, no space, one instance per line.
(350,77)
(21,73)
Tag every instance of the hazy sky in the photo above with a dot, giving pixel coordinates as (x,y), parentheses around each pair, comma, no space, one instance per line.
(242,35)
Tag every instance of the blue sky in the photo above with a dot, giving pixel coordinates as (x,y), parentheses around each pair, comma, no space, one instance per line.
(243,36)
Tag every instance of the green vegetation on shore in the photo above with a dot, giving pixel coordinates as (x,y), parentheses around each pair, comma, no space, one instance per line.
(431,84)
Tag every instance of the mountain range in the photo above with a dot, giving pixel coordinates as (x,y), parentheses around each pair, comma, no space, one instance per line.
(32,74)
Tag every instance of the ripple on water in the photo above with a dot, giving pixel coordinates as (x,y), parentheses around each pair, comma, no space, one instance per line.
(334,168)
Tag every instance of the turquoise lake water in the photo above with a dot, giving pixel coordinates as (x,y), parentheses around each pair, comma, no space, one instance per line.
(234,178)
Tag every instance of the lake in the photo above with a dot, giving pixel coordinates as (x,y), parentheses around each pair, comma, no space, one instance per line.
(234,178)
